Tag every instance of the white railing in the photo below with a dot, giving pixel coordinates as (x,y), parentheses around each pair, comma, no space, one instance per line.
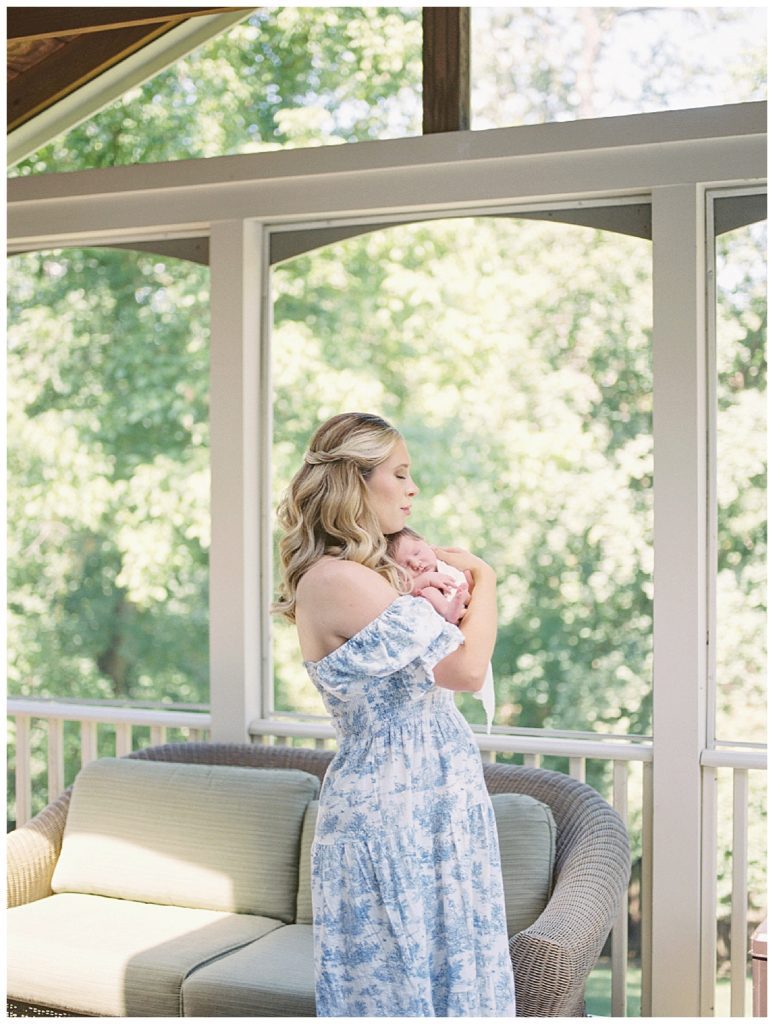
(627,794)
(740,763)
(54,714)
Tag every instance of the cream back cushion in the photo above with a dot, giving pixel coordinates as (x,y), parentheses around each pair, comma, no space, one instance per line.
(527,838)
(211,837)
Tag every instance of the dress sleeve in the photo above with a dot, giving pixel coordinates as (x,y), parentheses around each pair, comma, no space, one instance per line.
(408,633)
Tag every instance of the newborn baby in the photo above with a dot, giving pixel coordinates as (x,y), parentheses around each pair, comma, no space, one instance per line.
(444,586)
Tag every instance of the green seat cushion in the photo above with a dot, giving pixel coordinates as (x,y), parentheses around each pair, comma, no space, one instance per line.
(116,958)
(272,977)
(526,834)
(527,838)
(208,837)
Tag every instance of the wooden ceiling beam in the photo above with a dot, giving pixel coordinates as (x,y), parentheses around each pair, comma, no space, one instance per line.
(71,66)
(445,69)
(46,22)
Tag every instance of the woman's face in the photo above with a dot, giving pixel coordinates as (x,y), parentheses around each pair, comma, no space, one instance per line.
(391,490)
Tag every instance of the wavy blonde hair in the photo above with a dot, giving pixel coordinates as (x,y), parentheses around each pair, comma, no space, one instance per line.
(325,510)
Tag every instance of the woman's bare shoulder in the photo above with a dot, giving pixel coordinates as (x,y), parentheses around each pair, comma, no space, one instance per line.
(329,574)
(335,599)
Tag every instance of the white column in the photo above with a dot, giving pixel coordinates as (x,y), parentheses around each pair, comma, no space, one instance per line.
(235,389)
(680,601)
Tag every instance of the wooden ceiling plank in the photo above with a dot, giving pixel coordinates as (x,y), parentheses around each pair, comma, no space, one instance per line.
(23,56)
(73,65)
(45,22)
(133,70)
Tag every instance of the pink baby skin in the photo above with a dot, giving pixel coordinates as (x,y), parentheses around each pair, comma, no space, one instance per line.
(448,597)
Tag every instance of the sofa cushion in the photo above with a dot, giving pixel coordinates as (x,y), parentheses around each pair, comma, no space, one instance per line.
(273,977)
(210,837)
(106,957)
(526,834)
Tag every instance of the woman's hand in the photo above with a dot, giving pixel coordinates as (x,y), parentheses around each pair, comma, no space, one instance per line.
(464,560)
(465,668)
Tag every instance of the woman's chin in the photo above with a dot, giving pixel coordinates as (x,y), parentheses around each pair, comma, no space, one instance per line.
(395,526)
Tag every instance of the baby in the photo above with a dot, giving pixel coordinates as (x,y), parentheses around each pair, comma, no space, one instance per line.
(444,586)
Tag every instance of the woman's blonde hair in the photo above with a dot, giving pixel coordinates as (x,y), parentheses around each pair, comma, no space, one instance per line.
(325,510)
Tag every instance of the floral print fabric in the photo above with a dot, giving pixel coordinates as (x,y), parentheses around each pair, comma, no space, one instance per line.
(407,890)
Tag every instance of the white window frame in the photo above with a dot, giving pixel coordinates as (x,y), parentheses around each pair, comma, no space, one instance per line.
(674,158)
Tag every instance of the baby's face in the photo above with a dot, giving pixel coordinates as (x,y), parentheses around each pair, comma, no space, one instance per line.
(415,555)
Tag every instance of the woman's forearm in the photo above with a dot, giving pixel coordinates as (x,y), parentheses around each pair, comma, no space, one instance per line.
(465,669)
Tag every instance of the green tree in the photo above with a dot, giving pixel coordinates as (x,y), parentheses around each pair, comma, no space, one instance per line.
(109,474)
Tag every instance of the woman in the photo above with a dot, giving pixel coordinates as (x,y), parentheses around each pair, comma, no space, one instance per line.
(407,892)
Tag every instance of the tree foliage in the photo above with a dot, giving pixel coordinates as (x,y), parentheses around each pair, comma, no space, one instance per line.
(526,399)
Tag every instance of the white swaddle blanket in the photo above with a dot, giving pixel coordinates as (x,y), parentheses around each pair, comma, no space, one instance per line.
(486,694)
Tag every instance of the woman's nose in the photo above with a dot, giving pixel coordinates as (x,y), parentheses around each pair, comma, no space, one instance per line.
(412,488)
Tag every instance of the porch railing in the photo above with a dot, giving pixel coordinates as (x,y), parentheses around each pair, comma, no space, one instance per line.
(630,789)
(54,714)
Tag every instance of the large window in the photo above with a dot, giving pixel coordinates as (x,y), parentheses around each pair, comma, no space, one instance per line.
(740,399)
(108,480)
(514,355)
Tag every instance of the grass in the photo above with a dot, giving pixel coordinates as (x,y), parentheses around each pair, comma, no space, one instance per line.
(598,994)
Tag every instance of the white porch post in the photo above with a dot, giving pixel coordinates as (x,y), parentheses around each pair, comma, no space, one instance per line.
(680,602)
(235,390)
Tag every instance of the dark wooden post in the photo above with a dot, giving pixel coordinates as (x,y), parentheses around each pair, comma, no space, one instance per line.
(445,69)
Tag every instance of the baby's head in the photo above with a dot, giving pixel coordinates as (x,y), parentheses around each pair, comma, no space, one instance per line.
(408,549)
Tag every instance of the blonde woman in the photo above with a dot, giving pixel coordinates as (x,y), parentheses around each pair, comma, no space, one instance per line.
(407,890)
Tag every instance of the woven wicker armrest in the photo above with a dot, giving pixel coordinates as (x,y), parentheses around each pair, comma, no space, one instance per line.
(555,955)
(33,851)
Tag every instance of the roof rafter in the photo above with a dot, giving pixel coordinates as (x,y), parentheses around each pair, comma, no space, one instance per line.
(72,65)
(26,23)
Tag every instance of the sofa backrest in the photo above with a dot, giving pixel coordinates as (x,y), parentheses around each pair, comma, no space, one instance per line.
(211,837)
(527,838)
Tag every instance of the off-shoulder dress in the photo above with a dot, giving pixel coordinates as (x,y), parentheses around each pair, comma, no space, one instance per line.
(407,890)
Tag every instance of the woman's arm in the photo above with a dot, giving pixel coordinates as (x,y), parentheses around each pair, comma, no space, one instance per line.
(465,668)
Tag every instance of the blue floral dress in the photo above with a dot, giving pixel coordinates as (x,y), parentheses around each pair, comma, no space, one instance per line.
(407,890)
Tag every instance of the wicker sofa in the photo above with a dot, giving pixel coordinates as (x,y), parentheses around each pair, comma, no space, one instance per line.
(254,955)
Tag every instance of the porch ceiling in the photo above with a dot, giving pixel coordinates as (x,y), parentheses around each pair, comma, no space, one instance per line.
(54,51)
